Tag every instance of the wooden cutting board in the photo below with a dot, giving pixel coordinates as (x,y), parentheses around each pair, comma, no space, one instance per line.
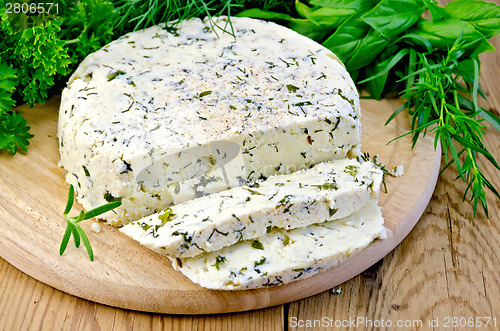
(124,274)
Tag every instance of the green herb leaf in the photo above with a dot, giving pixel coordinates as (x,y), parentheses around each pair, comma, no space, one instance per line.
(74,232)
(218,261)
(73,227)
(263,14)
(102,209)
(65,239)
(392,17)
(110,198)
(70,201)
(205,93)
(166,216)
(14,132)
(86,243)
(443,34)
(257,244)
(483,16)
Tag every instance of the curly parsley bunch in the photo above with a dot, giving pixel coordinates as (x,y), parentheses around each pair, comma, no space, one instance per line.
(31,57)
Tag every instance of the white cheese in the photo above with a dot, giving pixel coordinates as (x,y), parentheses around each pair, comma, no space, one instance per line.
(95,227)
(399,170)
(283,99)
(280,257)
(329,191)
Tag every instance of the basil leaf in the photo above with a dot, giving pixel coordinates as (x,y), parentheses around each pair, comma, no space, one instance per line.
(332,17)
(264,14)
(443,34)
(310,29)
(484,16)
(392,17)
(346,4)
(438,13)
(367,50)
(347,38)
(379,72)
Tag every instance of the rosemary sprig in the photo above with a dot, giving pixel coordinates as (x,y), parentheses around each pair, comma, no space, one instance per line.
(72,223)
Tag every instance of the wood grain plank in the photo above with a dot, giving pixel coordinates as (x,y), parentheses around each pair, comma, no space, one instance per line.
(27,304)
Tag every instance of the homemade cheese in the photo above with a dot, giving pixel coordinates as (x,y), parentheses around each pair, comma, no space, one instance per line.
(280,256)
(329,191)
(277,99)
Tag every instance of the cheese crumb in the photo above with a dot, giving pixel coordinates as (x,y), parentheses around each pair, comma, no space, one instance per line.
(399,170)
(95,227)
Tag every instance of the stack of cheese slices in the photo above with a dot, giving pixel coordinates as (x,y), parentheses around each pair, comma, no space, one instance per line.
(237,156)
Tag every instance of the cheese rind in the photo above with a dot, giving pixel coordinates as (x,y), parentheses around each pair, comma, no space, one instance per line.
(330,190)
(280,257)
(285,100)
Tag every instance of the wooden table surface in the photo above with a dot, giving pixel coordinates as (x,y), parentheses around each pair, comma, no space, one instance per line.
(445,271)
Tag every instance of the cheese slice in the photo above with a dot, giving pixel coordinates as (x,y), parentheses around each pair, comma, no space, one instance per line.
(280,257)
(284,100)
(329,191)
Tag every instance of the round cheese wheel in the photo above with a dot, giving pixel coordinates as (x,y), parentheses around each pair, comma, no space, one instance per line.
(165,115)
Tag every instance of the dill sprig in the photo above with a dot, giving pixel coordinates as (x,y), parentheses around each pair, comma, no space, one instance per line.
(72,223)
(137,14)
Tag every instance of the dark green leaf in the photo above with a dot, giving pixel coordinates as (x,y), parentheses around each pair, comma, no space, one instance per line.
(385,66)
(474,147)
(310,29)
(110,198)
(332,17)
(102,209)
(443,34)
(76,235)
(8,77)
(397,111)
(65,239)
(367,50)
(71,199)
(437,12)
(393,17)
(86,243)
(6,102)
(454,154)
(491,118)
(491,188)
(257,244)
(264,14)
(346,40)
(484,16)
(81,217)
(357,5)
(376,85)
(14,132)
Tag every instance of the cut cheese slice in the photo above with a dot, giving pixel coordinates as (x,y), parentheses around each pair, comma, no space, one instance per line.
(284,100)
(330,190)
(280,257)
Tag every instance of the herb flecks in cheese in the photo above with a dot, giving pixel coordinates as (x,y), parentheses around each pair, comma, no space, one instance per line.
(307,251)
(286,101)
(326,192)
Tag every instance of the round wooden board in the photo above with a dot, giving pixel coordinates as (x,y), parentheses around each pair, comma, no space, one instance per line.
(124,274)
